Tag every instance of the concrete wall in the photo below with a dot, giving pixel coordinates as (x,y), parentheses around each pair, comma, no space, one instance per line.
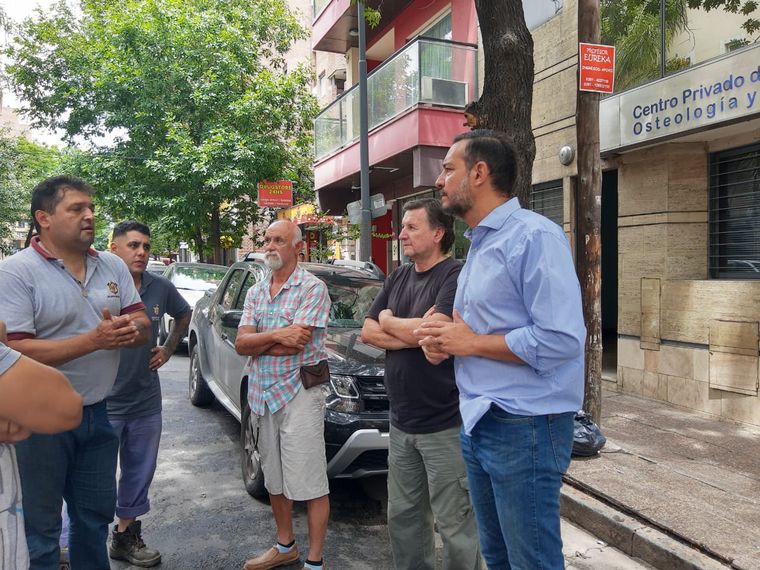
(555,61)
(684,338)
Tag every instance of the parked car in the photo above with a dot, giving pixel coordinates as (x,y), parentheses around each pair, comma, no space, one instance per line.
(365,266)
(356,414)
(744,265)
(157,267)
(192,280)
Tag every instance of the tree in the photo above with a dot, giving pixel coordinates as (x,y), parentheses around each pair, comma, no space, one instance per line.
(23,164)
(633,27)
(744,7)
(194,94)
(508,55)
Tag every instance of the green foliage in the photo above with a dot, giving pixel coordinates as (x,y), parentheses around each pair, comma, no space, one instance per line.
(372,15)
(23,164)
(744,7)
(195,93)
(633,27)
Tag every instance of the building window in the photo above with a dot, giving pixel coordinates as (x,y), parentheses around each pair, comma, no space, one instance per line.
(547,200)
(441,29)
(734,44)
(321,85)
(735,214)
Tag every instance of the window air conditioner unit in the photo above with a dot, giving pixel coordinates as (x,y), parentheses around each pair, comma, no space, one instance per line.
(443,91)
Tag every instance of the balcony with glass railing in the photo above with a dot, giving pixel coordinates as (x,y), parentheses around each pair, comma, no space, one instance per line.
(425,71)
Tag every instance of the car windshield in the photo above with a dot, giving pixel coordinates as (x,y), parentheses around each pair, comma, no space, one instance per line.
(198,278)
(351,299)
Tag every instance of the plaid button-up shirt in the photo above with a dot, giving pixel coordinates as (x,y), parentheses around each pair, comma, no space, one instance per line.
(303,299)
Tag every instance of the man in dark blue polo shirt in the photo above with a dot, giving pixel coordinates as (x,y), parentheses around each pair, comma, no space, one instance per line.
(134,405)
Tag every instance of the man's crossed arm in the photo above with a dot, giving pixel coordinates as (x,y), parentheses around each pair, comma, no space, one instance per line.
(394,333)
(276,342)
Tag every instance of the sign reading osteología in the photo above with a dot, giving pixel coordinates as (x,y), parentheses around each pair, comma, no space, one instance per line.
(723,90)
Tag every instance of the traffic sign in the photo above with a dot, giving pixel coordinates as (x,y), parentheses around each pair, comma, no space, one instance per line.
(377,206)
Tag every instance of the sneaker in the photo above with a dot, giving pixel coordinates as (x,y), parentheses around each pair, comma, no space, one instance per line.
(129,546)
(272,558)
(324,567)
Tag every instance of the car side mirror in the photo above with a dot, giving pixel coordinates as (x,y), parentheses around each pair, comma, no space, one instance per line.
(231,318)
(210,292)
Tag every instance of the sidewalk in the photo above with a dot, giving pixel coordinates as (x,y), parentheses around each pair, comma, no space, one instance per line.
(676,488)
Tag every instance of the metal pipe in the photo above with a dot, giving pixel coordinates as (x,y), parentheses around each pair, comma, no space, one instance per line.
(662,38)
(365,238)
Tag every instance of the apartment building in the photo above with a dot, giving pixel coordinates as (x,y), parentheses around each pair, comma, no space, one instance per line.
(681,185)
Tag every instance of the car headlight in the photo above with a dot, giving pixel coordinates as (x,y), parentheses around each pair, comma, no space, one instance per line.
(341,394)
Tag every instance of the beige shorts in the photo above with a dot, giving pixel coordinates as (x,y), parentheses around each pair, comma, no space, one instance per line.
(292,447)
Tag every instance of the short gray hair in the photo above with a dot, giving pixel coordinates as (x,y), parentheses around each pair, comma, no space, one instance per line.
(297,235)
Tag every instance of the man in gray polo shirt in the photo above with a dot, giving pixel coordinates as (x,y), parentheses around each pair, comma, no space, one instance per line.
(69,307)
(134,405)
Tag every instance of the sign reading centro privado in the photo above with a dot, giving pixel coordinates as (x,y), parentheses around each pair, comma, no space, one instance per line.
(275,194)
(712,93)
(597,67)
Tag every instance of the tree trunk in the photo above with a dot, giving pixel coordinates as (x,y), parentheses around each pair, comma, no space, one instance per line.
(508,83)
(216,237)
(200,245)
(589,217)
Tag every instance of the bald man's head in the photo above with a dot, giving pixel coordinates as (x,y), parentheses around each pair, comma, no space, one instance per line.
(282,243)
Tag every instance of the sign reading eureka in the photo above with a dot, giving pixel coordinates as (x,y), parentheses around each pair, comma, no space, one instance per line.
(718,91)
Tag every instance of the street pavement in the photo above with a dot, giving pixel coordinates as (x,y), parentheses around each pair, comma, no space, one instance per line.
(686,481)
(202,518)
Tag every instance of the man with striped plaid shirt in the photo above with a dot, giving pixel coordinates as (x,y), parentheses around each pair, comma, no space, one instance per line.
(282,329)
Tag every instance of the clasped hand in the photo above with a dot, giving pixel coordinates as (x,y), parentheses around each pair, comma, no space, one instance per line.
(115,332)
(440,340)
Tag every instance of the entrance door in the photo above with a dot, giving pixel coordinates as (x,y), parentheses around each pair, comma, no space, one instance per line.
(609,237)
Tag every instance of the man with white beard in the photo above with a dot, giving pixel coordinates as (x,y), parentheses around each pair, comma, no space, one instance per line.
(282,330)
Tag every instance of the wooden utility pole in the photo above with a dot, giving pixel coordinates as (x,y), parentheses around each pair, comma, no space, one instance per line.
(589,216)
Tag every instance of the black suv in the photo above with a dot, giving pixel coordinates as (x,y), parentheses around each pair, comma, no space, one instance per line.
(356,416)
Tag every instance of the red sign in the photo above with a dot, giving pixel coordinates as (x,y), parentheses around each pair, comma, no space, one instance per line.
(597,63)
(277,194)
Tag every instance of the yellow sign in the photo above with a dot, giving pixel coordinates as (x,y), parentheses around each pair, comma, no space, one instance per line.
(295,212)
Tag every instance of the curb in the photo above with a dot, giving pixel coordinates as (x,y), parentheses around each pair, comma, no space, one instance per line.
(631,536)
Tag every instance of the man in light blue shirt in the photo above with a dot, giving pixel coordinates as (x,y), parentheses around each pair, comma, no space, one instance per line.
(518,341)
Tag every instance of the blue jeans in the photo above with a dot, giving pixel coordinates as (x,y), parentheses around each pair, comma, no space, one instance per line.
(515,466)
(80,466)
(138,453)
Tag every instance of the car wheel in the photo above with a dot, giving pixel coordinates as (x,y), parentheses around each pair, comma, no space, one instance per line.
(199,392)
(253,475)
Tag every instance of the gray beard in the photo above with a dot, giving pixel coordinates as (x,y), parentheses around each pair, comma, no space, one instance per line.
(273,262)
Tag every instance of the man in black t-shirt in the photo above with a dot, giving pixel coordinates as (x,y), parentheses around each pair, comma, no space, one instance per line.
(426,475)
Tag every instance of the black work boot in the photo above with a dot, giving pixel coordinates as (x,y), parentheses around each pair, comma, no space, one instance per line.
(129,546)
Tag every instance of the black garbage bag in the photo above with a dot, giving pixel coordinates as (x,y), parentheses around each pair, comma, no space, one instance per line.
(587,437)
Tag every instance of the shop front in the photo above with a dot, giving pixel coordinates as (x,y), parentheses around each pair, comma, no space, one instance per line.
(685,155)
